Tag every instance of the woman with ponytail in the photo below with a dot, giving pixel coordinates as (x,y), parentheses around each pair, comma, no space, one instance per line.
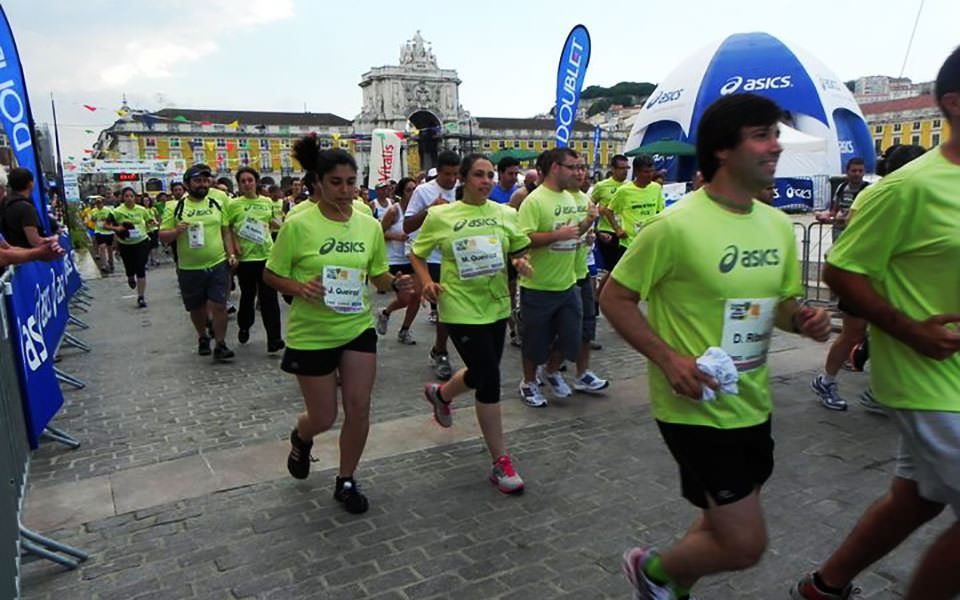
(323,258)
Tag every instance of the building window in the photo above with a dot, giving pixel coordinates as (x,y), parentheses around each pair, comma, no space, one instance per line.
(486,145)
(244,158)
(876,145)
(878,128)
(265,165)
(244,143)
(221,161)
(325,143)
(516,144)
(935,139)
(264,144)
(175,155)
(221,143)
(897,127)
(915,139)
(936,123)
(150,142)
(916,125)
(285,143)
(197,142)
(175,142)
(199,156)
(285,161)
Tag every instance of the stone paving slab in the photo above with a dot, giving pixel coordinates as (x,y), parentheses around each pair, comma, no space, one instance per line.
(437,529)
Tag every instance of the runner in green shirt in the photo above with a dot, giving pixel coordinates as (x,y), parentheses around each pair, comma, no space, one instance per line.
(897,265)
(102,236)
(476,237)
(130,222)
(718,271)
(324,258)
(602,194)
(550,307)
(632,204)
(198,226)
(251,217)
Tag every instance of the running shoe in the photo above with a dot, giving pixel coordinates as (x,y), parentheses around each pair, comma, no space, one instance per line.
(231,308)
(531,395)
(829,393)
(595,345)
(440,363)
(298,461)
(222,353)
(243,336)
(432,318)
(442,411)
(505,477)
(806,589)
(275,345)
(867,401)
(349,495)
(132,283)
(589,382)
(203,346)
(558,385)
(643,588)
(405,337)
(141,302)
(383,319)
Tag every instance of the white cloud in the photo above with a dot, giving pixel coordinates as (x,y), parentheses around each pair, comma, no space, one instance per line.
(105,57)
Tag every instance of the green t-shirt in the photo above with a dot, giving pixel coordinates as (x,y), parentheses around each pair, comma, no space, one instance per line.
(345,254)
(362,207)
(138,216)
(249,218)
(583,249)
(601,195)
(553,265)
(475,243)
(278,215)
(302,206)
(713,278)
(634,205)
(904,237)
(157,211)
(221,197)
(99,217)
(201,245)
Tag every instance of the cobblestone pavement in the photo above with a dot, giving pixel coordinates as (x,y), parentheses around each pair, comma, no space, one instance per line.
(437,529)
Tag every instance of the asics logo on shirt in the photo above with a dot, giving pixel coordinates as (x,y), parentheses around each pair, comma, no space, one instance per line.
(748,258)
(486,222)
(346,247)
(564,210)
(199,212)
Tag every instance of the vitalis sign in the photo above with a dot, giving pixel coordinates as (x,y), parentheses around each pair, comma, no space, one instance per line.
(384,156)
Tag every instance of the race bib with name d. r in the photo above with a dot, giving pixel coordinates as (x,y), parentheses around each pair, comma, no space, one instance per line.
(747,326)
(563,245)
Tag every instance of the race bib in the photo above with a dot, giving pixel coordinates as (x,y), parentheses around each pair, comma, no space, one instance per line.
(99,224)
(343,289)
(253,230)
(563,245)
(195,235)
(478,255)
(135,233)
(747,326)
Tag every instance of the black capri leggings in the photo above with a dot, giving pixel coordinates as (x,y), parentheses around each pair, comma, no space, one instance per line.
(480,348)
(135,257)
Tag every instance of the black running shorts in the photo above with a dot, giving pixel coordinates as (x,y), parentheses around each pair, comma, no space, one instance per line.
(317,363)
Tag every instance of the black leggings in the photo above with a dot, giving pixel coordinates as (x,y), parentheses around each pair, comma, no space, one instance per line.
(480,347)
(250,274)
(135,257)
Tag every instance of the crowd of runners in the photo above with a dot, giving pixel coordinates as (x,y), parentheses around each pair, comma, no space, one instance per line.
(697,288)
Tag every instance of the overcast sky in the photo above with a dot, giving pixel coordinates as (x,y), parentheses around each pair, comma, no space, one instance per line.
(280,55)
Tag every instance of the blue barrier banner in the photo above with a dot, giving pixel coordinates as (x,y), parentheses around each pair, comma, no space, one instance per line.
(17,118)
(793,193)
(38,310)
(570,74)
(596,148)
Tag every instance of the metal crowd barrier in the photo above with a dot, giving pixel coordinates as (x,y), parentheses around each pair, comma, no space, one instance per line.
(814,242)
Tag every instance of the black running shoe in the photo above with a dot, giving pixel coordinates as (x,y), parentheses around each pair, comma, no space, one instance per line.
(222,353)
(203,346)
(243,336)
(141,302)
(298,461)
(349,495)
(275,345)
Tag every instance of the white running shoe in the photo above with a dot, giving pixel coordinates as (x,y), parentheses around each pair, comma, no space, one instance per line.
(643,588)
(558,385)
(383,319)
(405,337)
(589,382)
(531,395)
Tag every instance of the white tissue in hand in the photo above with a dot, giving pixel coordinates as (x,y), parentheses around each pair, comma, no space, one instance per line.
(717,364)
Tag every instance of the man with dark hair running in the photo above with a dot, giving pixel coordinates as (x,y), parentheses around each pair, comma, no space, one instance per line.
(719,270)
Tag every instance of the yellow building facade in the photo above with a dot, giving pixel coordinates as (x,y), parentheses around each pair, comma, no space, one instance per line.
(916,121)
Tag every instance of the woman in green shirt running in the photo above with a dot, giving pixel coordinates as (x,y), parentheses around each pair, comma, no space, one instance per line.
(323,258)
(477,238)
